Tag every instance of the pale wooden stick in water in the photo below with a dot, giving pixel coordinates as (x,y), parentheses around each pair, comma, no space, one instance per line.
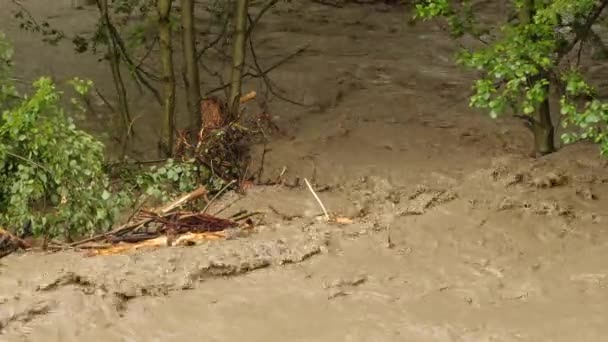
(389,241)
(247,97)
(318,199)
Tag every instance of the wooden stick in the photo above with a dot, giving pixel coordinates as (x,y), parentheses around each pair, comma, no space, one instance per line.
(138,209)
(280,178)
(248,97)
(246,216)
(318,199)
(201,191)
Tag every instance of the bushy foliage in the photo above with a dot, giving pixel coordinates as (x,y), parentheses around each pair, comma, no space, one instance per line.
(51,172)
(7,88)
(523,59)
(54,175)
(162,181)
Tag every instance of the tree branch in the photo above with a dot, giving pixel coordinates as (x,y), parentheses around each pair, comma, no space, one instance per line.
(138,70)
(264,75)
(253,23)
(264,72)
(214,42)
(583,32)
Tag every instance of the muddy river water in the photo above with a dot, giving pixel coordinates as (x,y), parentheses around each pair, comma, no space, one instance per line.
(484,244)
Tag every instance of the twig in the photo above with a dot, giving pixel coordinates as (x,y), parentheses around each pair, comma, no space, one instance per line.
(317,198)
(227,206)
(237,214)
(218,76)
(246,216)
(253,23)
(27,12)
(147,54)
(43,27)
(138,208)
(217,195)
(213,42)
(29,161)
(132,122)
(285,217)
(280,178)
(285,59)
(248,97)
(262,161)
(242,178)
(104,100)
(201,191)
(155,161)
(138,162)
(96,246)
(389,241)
(583,32)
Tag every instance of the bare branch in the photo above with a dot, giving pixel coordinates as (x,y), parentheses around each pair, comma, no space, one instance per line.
(253,23)
(263,72)
(214,42)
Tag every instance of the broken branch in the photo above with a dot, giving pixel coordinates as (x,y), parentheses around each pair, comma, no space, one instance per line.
(318,199)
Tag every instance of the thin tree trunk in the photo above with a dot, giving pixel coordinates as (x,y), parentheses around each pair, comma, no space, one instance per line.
(238,55)
(191,77)
(123,124)
(168,78)
(544,132)
(542,125)
(526,12)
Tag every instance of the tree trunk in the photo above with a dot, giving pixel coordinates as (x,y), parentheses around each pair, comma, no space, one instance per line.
(238,56)
(168,78)
(542,125)
(123,124)
(544,132)
(526,12)
(191,77)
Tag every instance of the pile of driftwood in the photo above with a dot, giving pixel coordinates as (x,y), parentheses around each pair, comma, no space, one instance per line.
(164,226)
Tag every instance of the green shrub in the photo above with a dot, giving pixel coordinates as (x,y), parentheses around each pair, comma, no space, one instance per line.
(50,172)
(54,175)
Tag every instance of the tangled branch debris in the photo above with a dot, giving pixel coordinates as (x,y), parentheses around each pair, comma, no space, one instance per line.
(9,243)
(164,226)
(222,143)
(179,228)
